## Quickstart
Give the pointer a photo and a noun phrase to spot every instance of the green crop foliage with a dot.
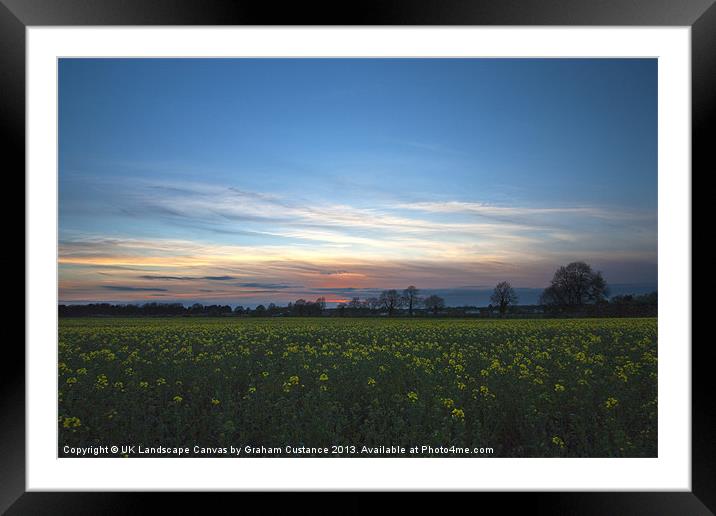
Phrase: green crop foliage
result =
(527, 388)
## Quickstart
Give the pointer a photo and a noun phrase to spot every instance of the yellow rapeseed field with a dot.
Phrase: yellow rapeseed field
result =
(526, 388)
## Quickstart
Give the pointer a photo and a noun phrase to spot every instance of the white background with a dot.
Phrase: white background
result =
(670, 471)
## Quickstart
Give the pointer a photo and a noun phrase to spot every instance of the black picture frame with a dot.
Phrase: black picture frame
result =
(16, 15)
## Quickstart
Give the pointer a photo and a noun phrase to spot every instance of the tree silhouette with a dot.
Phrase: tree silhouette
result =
(434, 303)
(373, 303)
(575, 285)
(410, 295)
(391, 300)
(503, 296)
(355, 303)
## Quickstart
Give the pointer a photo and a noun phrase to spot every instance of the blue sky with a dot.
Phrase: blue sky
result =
(292, 178)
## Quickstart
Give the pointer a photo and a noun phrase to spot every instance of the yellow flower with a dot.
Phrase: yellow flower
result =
(611, 402)
(214, 401)
(102, 381)
(323, 377)
(458, 414)
(413, 396)
(71, 422)
(371, 381)
(558, 387)
(557, 441)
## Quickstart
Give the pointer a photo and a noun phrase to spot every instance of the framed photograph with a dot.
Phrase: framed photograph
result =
(433, 248)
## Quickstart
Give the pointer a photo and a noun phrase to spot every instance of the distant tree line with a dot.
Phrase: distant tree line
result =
(574, 291)
(146, 309)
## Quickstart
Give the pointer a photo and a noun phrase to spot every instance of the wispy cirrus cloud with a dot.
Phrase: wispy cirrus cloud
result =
(125, 288)
(416, 228)
(267, 286)
(186, 278)
(282, 246)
